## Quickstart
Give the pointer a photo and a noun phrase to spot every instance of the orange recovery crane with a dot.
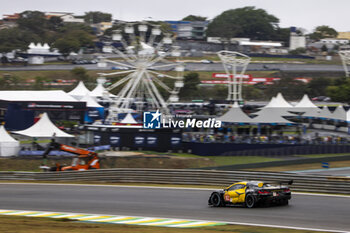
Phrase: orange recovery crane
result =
(84, 161)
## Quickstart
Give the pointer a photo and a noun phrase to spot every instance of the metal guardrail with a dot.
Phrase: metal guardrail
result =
(306, 183)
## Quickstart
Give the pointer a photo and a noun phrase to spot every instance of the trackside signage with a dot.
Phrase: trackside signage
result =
(154, 120)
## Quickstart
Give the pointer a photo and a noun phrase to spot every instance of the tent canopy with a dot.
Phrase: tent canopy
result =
(99, 91)
(235, 115)
(8, 145)
(90, 102)
(44, 128)
(79, 91)
(128, 119)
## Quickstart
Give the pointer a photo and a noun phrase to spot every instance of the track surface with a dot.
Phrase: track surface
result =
(322, 212)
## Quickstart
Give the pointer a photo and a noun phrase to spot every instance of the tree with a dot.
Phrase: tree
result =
(194, 18)
(191, 81)
(80, 73)
(34, 21)
(249, 22)
(298, 51)
(67, 45)
(97, 17)
(318, 86)
(322, 32)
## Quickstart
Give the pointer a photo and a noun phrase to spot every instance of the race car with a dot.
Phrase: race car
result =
(251, 194)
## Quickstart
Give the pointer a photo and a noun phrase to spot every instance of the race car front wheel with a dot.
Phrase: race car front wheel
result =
(250, 201)
(216, 200)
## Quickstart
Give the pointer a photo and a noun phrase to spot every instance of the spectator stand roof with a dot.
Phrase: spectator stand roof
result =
(48, 96)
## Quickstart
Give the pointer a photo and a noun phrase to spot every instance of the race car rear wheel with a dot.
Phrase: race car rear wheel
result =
(216, 200)
(250, 201)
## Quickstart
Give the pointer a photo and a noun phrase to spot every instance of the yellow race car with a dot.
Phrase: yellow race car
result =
(251, 194)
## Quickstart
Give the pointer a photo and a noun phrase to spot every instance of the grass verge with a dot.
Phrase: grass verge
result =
(12, 224)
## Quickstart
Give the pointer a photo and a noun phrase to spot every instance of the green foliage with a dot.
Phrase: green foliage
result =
(340, 90)
(249, 22)
(318, 86)
(194, 18)
(322, 32)
(80, 73)
(190, 89)
(252, 93)
(97, 17)
(33, 26)
(298, 51)
(292, 89)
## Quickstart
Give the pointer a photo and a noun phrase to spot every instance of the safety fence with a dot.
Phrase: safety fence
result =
(307, 183)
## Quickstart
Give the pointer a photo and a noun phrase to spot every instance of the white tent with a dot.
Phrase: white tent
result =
(235, 115)
(306, 107)
(79, 91)
(325, 113)
(43, 128)
(90, 102)
(277, 107)
(100, 91)
(128, 119)
(271, 116)
(8, 145)
(340, 114)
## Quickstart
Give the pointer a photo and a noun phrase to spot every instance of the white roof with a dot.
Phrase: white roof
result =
(325, 113)
(90, 102)
(79, 91)
(99, 90)
(305, 102)
(261, 43)
(235, 115)
(128, 119)
(340, 114)
(308, 108)
(279, 105)
(280, 102)
(54, 96)
(5, 136)
(270, 116)
(43, 128)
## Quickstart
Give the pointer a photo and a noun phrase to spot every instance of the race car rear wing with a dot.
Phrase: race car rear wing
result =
(287, 182)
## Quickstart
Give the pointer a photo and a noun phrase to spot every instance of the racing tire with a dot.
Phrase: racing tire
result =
(285, 202)
(216, 200)
(250, 201)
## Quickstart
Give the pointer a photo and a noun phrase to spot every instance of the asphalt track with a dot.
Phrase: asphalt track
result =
(307, 211)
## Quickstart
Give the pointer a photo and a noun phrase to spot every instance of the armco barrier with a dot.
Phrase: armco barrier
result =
(308, 183)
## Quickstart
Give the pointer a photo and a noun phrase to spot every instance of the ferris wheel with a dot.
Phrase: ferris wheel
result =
(142, 55)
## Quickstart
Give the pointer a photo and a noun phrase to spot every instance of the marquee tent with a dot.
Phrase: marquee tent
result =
(128, 119)
(8, 145)
(44, 128)
(307, 108)
(235, 115)
(79, 91)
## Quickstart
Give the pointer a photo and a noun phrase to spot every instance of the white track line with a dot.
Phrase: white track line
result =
(163, 187)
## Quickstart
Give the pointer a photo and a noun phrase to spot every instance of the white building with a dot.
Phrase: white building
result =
(65, 16)
(334, 41)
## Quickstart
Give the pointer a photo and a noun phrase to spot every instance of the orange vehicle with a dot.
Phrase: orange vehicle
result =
(84, 161)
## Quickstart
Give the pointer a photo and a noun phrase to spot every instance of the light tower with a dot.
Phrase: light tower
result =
(235, 65)
(345, 57)
(142, 56)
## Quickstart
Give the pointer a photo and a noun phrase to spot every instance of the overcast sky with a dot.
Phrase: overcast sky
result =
(301, 13)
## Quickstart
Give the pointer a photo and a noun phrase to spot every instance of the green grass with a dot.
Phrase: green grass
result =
(48, 225)
(233, 160)
(322, 155)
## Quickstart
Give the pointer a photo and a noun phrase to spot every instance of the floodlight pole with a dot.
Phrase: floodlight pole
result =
(232, 61)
